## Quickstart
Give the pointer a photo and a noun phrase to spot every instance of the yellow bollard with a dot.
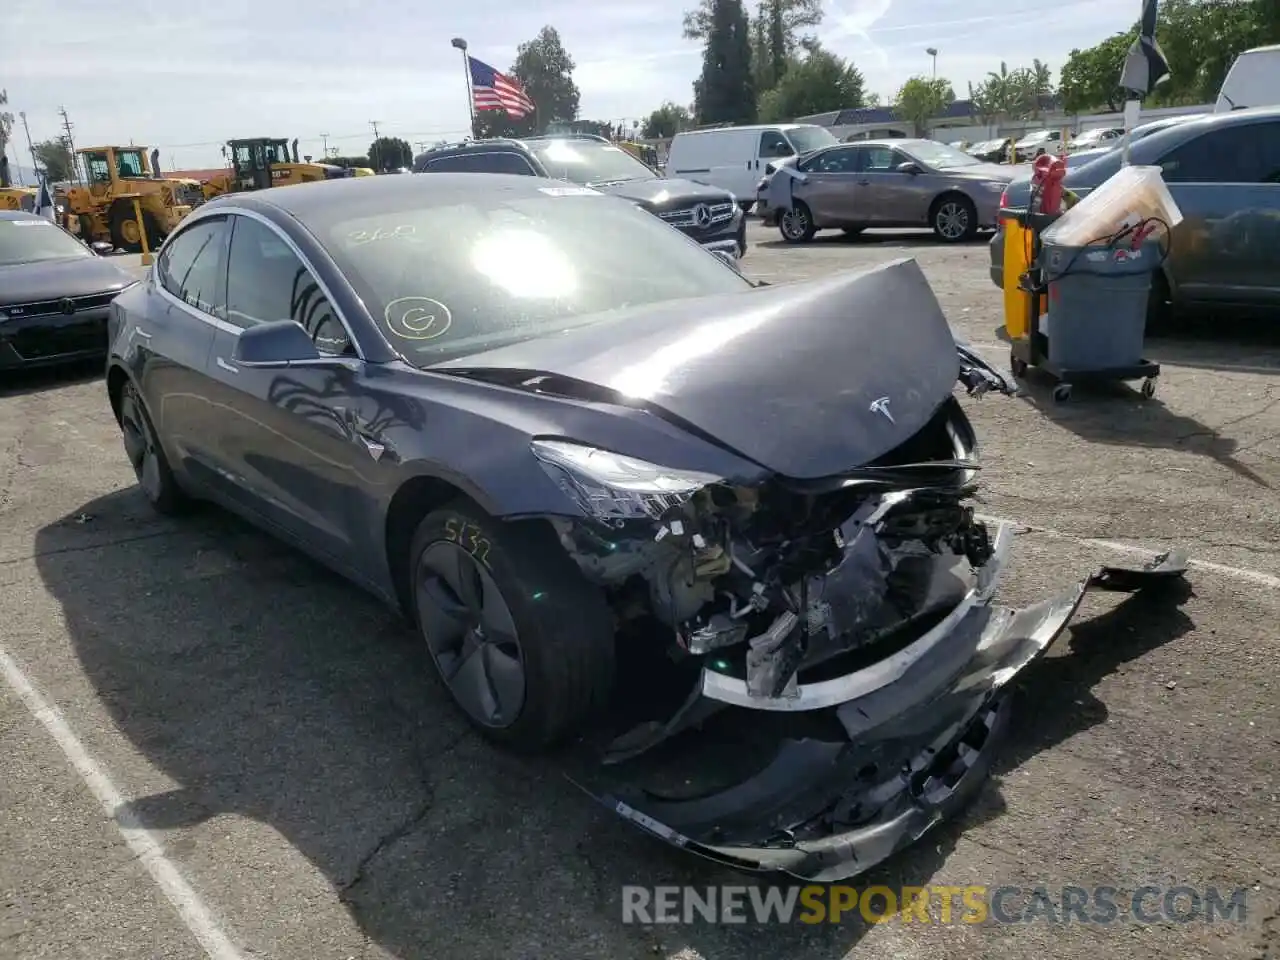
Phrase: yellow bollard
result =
(147, 259)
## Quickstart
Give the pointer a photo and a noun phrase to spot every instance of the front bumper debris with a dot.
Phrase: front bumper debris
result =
(833, 776)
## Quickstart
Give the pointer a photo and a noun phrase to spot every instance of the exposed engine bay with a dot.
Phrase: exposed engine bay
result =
(789, 576)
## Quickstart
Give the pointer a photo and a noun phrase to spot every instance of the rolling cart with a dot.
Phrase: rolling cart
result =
(1035, 347)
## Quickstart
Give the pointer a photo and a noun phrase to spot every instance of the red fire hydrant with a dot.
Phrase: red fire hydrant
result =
(1047, 177)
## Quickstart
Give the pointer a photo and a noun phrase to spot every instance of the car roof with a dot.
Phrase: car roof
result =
(352, 195)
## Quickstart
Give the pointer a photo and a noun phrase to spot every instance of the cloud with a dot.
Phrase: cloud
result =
(187, 78)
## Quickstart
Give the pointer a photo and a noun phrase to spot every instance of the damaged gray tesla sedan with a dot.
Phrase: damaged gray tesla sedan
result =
(717, 536)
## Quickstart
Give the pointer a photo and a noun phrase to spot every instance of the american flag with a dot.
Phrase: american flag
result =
(491, 90)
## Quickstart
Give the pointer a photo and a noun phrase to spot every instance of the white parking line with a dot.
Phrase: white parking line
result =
(195, 915)
(1240, 573)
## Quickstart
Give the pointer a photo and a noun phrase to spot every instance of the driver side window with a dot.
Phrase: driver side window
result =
(882, 159)
(267, 282)
(774, 144)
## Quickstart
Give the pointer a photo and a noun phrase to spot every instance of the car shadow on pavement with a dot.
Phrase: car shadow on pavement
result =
(269, 689)
(1114, 413)
(16, 383)
(887, 238)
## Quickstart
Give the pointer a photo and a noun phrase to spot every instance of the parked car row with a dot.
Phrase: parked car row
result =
(1223, 170)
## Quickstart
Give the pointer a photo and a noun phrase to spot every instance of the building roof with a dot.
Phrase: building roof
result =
(956, 110)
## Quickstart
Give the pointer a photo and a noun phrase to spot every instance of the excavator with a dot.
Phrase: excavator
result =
(101, 209)
(261, 162)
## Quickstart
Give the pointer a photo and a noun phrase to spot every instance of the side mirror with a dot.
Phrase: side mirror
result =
(909, 167)
(728, 259)
(275, 344)
(783, 150)
(101, 248)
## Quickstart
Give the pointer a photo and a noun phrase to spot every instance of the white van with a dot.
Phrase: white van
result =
(734, 158)
(1252, 81)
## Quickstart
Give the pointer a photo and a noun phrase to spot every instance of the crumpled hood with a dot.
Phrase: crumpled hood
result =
(808, 379)
(660, 193)
(54, 279)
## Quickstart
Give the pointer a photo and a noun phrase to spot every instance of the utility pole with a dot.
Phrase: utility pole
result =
(35, 161)
(71, 146)
(325, 138)
(376, 161)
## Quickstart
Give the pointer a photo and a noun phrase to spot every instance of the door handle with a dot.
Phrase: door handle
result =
(139, 332)
(229, 367)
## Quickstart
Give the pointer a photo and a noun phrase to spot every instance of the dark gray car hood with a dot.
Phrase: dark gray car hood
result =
(788, 376)
(660, 193)
(54, 279)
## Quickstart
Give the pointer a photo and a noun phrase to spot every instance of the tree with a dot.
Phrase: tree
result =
(545, 69)
(777, 34)
(817, 84)
(668, 120)
(55, 159)
(725, 91)
(1091, 78)
(388, 153)
(922, 98)
(6, 122)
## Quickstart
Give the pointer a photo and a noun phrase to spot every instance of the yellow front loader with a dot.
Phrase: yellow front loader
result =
(113, 177)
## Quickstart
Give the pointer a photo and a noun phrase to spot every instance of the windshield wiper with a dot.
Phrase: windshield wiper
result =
(611, 183)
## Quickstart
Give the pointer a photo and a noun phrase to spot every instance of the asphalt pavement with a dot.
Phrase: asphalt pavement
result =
(286, 780)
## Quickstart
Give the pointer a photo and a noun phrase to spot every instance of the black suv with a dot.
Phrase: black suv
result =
(707, 214)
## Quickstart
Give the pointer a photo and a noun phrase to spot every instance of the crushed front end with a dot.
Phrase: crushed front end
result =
(829, 677)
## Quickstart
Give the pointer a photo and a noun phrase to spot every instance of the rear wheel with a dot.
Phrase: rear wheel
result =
(522, 641)
(796, 224)
(146, 455)
(125, 233)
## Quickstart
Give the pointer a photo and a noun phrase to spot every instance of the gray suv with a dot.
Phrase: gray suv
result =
(1223, 171)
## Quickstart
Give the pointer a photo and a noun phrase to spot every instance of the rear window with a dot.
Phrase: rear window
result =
(491, 268)
(498, 161)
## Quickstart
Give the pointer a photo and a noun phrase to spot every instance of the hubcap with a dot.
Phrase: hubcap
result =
(794, 223)
(470, 633)
(129, 230)
(140, 444)
(953, 220)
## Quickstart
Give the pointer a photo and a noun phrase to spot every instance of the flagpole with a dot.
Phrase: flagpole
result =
(461, 44)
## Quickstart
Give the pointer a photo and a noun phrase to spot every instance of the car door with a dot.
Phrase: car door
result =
(1226, 182)
(892, 199)
(173, 335)
(829, 186)
(298, 444)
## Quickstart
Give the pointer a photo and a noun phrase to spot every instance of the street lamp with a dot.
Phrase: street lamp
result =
(458, 44)
(933, 52)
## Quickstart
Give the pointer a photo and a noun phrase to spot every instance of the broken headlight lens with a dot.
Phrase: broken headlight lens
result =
(612, 486)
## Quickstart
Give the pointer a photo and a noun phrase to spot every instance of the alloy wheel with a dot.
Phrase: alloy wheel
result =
(140, 444)
(795, 223)
(952, 219)
(471, 634)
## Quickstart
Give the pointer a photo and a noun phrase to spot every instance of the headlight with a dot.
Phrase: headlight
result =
(995, 186)
(611, 486)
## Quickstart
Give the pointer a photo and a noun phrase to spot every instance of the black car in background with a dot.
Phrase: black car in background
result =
(54, 294)
(1223, 171)
(707, 214)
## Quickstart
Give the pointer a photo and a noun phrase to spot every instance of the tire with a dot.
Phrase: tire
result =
(954, 218)
(146, 455)
(561, 628)
(796, 224)
(121, 214)
(852, 231)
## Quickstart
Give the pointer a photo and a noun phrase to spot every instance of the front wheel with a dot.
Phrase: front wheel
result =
(796, 224)
(522, 641)
(954, 219)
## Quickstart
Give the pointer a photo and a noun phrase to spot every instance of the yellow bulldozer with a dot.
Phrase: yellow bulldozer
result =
(11, 197)
(101, 208)
(261, 162)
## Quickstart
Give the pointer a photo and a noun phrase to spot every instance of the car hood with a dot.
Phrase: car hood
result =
(54, 279)
(809, 380)
(660, 193)
(984, 171)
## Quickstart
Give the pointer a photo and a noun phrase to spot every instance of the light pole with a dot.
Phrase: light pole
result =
(460, 44)
(325, 138)
(933, 52)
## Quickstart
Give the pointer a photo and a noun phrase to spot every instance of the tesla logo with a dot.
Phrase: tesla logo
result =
(881, 406)
(67, 306)
(702, 215)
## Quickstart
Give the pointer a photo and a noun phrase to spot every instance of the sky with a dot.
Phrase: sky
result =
(205, 73)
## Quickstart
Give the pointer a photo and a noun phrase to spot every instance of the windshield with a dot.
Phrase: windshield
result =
(492, 269)
(805, 139)
(35, 239)
(940, 156)
(589, 162)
